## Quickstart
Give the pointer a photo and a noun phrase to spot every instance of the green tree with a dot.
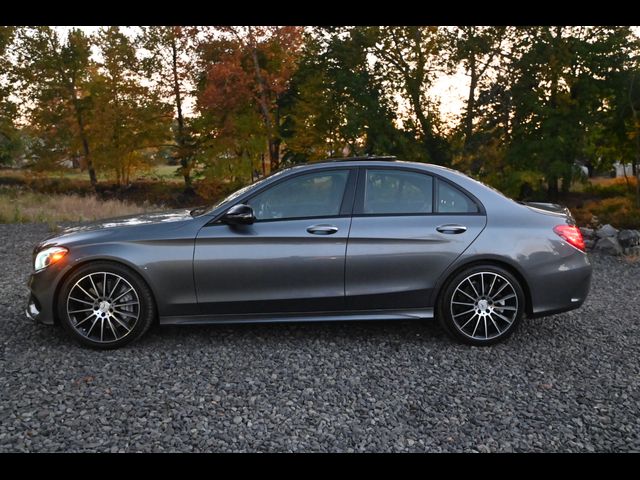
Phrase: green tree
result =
(335, 105)
(10, 144)
(170, 64)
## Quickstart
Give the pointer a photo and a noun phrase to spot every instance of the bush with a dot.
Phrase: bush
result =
(621, 212)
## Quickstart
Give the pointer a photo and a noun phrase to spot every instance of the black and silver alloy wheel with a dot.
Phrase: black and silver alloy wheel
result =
(482, 305)
(105, 305)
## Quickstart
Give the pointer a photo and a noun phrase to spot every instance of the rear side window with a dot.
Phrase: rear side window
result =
(389, 192)
(451, 200)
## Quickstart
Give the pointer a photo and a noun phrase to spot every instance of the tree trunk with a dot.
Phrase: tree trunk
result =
(185, 160)
(85, 145)
(274, 141)
(471, 104)
(552, 190)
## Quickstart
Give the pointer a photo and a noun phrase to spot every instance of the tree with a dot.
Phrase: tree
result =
(475, 48)
(52, 77)
(170, 64)
(250, 66)
(10, 143)
(408, 60)
(335, 105)
(129, 121)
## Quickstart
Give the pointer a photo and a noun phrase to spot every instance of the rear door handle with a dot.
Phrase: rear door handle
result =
(322, 229)
(451, 229)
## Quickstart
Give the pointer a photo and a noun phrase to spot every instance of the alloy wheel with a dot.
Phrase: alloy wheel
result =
(484, 306)
(103, 307)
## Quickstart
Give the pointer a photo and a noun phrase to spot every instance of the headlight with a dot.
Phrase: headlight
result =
(50, 255)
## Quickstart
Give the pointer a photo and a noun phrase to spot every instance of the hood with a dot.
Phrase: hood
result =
(89, 229)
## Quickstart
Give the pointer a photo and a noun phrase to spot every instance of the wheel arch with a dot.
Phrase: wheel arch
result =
(472, 262)
(87, 261)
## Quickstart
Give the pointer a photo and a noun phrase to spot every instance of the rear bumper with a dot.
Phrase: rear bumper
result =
(561, 287)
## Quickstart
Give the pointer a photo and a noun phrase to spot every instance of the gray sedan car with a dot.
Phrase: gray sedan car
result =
(357, 239)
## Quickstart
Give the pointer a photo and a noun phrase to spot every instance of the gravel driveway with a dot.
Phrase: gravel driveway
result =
(570, 382)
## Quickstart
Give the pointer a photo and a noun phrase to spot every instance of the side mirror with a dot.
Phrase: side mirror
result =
(239, 215)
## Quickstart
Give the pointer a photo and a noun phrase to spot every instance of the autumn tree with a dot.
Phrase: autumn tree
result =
(250, 66)
(52, 75)
(129, 121)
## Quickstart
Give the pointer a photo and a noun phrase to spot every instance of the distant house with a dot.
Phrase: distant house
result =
(622, 170)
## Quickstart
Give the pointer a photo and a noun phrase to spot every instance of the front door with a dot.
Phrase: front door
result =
(290, 260)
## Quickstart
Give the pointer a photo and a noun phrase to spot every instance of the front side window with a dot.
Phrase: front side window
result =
(452, 200)
(317, 194)
(390, 192)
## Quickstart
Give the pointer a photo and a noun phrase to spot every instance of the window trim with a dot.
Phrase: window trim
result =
(346, 204)
(358, 210)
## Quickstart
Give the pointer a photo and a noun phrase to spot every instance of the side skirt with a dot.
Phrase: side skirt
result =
(412, 314)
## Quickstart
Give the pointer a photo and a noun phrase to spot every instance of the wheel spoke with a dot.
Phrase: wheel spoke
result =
(92, 325)
(114, 288)
(486, 330)
(84, 320)
(506, 307)
(473, 286)
(95, 289)
(512, 295)
(126, 314)
(476, 327)
(462, 291)
(494, 323)
(467, 322)
(501, 288)
(492, 284)
(482, 282)
(121, 323)
(462, 313)
(121, 295)
(86, 293)
(104, 285)
(115, 335)
(502, 317)
(84, 310)
(457, 303)
(81, 301)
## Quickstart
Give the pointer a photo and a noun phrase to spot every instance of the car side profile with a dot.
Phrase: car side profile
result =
(354, 239)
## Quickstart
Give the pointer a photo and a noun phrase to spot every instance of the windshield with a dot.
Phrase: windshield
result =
(208, 208)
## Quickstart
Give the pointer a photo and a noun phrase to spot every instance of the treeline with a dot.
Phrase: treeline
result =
(236, 102)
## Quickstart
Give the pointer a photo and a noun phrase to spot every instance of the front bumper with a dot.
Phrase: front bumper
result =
(42, 287)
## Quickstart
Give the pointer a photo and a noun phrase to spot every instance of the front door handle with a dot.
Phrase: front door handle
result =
(322, 229)
(452, 229)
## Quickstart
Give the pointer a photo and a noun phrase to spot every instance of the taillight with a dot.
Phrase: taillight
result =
(571, 234)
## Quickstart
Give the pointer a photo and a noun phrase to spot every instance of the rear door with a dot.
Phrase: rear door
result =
(407, 228)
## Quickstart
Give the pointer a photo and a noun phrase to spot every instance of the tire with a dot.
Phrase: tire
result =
(481, 305)
(105, 314)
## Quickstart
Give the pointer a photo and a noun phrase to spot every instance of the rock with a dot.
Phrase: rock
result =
(629, 238)
(589, 243)
(587, 233)
(608, 246)
(607, 231)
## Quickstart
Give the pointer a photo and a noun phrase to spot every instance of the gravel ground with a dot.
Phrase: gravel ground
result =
(565, 383)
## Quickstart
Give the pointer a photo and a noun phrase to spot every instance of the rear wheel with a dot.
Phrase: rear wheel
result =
(105, 305)
(481, 305)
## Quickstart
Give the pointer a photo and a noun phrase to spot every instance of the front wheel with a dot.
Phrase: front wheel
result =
(481, 305)
(105, 305)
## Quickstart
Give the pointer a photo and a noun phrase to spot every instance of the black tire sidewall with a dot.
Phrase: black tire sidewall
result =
(147, 303)
(444, 314)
